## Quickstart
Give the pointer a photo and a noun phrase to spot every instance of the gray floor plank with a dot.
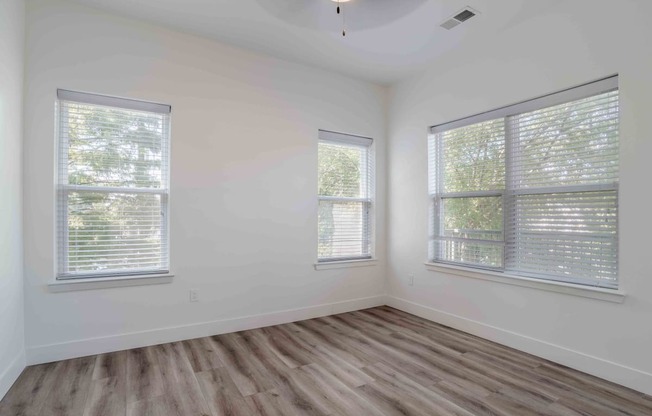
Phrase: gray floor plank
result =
(108, 396)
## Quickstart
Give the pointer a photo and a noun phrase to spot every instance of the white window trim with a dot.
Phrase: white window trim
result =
(345, 264)
(72, 282)
(592, 292)
(500, 274)
(71, 285)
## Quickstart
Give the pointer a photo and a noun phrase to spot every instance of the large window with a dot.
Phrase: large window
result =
(345, 197)
(112, 186)
(531, 189)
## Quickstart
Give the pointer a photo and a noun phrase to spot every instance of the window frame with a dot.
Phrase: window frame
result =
(509, 193)
(368, 175)
(63, 189)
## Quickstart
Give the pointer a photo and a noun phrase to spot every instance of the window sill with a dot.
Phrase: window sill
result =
(108, 282)
(609, 295)
(345, 264)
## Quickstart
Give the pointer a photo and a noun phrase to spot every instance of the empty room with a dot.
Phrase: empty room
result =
(325, 207)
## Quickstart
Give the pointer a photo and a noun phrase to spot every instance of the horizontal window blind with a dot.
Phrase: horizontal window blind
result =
(563, 191)
(468, 183)
(112, 191)
(534, 192)
(345, 197)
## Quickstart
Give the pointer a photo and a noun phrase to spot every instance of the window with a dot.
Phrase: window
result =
(531, 189)
(112, 186)
(345, 197)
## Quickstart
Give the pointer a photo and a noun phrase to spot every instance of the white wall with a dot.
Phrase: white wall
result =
(243, 184)
(12, 37)
(573, 43)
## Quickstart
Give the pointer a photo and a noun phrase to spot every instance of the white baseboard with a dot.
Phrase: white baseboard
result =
(617, 373)
(91, 346)
(10, 374)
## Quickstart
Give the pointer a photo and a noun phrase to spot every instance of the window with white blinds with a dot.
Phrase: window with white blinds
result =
(531, 189)
(346, 191)
(112, 186)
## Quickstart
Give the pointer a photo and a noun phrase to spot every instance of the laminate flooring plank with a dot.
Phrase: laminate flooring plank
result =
(532, 401)
(108, 396)
(401, 324)
(263, 359)
(270, 403)
(144, 378)
(441, 367)
(27, 396)
(339, 396)
(202, 355)
(311, 341)
(547, 388)
(333, 324)
(338, 363)
(340, 368)
(514, 407)
(244, 372)
(367, 347)
(437, 331)
(421, 374)
(459, 366)
(367, 322)
(421, 345)
(593, 388)
(172, 363)
(389, 401)
(594, 405)
(356, 323)
(322, 335)
(284, 347)
(513, 356)
(302, 395)
(560, 409)
(113, 364)
(416, 393)
(468, 396)
(69, 393)
(454, 346)
(445, 336)
(180, 386)
(507, 379)
(222, 395)
(157, 406)
(376, 351)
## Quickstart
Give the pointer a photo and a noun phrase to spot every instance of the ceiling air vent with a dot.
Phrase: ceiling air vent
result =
(460, 17)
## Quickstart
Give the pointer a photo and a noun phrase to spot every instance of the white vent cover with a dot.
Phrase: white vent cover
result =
(459, 17)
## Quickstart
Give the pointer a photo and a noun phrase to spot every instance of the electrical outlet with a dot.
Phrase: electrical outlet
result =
(194, 295)
(410, 279)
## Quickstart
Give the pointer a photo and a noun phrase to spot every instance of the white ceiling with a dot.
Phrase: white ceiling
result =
(386, 40)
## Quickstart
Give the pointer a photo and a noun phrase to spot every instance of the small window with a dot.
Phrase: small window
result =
(112, 186)
(531, 189)
(345, 197)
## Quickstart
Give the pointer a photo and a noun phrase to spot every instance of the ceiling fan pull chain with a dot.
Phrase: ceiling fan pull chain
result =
(343, 21)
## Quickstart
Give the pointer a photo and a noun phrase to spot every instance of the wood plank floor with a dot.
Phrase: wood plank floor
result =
(379, 361)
